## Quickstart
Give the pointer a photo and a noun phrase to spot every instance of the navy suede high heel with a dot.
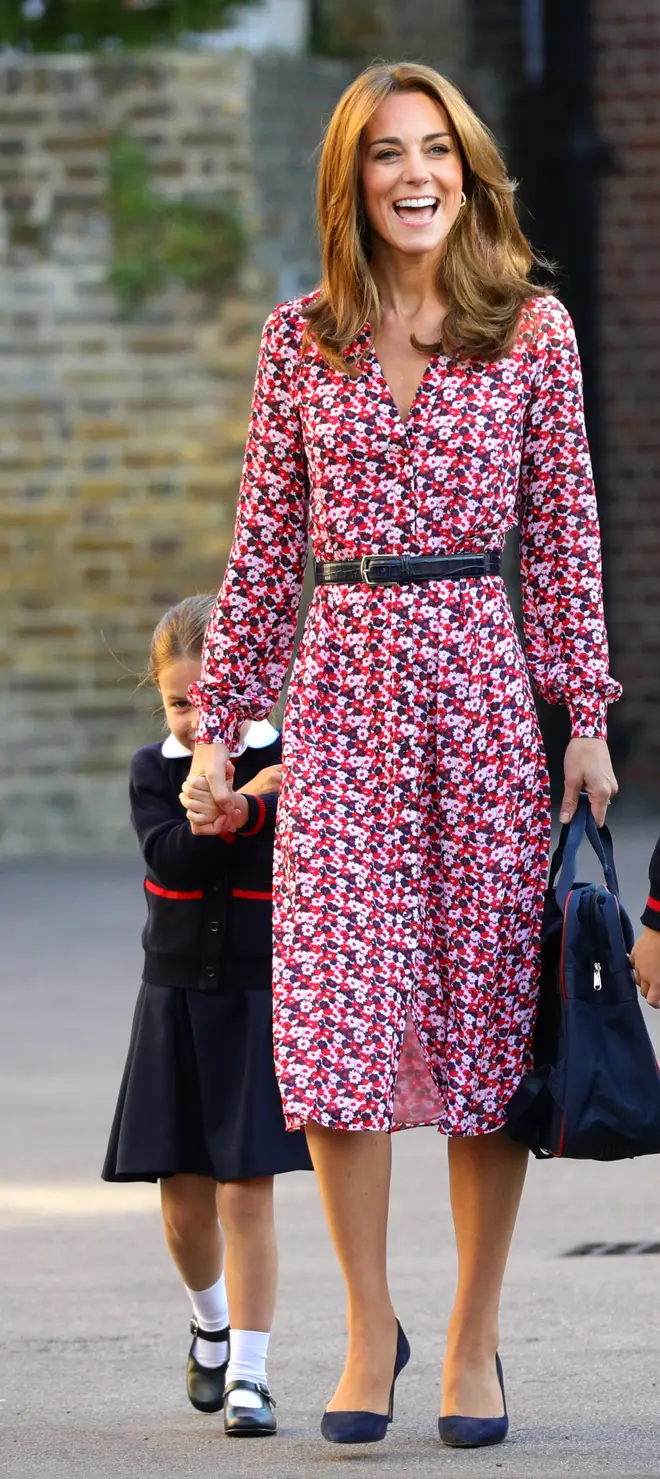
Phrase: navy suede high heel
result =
(366, 1427)
(476, 1432)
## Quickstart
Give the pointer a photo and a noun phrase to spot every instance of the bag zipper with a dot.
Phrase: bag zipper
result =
(596, 965)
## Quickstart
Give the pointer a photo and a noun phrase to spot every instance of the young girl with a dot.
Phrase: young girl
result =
(199, 1108)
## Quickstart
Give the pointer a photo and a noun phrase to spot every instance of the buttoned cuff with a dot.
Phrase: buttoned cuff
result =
(215, 725)
(588, 716)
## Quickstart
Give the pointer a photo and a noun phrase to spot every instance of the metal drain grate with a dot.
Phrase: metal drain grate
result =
(610, 1250)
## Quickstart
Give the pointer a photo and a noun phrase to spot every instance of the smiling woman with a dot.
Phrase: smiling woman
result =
(407, 164)
(406, 415)
(413, 159)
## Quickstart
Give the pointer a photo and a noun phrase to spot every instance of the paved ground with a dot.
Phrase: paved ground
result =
(93, 1334)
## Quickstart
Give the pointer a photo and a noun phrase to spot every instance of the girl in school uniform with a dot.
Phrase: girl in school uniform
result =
(199, 1109)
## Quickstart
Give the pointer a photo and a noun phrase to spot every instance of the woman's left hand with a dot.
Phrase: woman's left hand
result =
(587, 767)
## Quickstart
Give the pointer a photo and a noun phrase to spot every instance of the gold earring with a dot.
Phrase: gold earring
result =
(463, 200)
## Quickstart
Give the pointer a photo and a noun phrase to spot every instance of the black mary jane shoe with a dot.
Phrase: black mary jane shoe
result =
(249, 1422)
(206, 1384)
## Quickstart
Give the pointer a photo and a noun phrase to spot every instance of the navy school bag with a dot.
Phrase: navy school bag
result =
(594, 1091)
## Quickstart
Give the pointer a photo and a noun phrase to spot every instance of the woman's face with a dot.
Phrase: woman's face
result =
(412, 176)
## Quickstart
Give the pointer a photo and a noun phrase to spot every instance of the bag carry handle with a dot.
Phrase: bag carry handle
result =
(572, 834)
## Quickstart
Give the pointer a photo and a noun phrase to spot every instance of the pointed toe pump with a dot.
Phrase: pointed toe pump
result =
(476, 1432)
(367, 1427)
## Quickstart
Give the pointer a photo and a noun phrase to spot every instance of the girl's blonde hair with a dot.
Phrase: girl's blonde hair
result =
(180, 633)
(483, 274)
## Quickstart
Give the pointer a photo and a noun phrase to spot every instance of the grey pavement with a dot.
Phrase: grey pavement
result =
(93, 1336)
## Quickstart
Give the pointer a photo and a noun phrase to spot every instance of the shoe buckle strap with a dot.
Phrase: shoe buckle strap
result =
(215, 1336)
(250, 1386)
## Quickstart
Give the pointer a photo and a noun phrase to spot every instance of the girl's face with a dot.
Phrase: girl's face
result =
(174, 682)
(412, 176)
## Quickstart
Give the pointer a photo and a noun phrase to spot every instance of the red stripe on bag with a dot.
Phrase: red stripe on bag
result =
(250, 893)
(171, 893)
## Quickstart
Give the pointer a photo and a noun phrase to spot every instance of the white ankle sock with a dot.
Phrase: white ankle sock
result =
(247, 1362)
(210, 1308)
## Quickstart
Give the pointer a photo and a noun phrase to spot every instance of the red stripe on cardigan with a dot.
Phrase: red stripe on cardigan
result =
(653, 904)
(172, 893)
(250, 893)
(251, 832)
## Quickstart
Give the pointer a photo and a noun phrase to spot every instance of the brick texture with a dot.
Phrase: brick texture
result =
(121, 442)
(627, 38)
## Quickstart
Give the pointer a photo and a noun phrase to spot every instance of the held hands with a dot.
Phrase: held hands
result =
(202, 810)
(645, 960)
(211, 764)
(587, 767)
(212, 806)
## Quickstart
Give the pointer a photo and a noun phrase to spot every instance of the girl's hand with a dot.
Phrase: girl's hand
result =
(213, 762)
(587, 767)
(645, 959)
(202, 810)
(199, 801)
(266, 783)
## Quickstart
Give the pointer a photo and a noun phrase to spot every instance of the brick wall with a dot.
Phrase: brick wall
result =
(543, 148)
(627, 39)
(121, 442)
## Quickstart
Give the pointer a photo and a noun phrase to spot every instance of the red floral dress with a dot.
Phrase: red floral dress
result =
(414, 815)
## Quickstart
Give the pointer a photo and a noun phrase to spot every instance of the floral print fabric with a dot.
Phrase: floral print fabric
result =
(414, 815)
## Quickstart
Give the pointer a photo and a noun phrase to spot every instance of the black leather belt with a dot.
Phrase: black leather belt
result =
(374, 570)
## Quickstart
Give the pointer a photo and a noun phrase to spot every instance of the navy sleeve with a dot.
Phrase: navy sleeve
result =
(175, 857)
(262, 814)
(651, 915)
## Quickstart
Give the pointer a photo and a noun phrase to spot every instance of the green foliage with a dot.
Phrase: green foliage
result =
(87, 24)
(156, 241)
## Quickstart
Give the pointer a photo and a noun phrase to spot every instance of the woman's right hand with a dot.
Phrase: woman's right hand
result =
(213, 762)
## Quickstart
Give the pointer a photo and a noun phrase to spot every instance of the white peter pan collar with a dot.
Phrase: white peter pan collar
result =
(258, 737)
(172, 749)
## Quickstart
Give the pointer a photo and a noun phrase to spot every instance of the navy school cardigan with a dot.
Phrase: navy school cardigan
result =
(651, 915)
(209, 899)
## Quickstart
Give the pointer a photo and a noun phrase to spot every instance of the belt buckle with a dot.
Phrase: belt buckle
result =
(365, 564)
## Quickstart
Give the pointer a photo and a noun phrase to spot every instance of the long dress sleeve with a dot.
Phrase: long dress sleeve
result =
(560, 560)
(251, 634)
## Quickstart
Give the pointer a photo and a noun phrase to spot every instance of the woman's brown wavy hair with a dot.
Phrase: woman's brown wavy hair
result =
(483, 274)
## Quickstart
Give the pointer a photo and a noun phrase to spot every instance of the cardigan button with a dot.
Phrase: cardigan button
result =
(214, 926)
(210, 971)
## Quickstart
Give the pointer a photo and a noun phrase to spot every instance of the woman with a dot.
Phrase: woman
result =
(425, 400)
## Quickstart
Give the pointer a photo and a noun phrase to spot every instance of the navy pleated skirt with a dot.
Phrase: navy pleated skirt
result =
(199, 1093)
